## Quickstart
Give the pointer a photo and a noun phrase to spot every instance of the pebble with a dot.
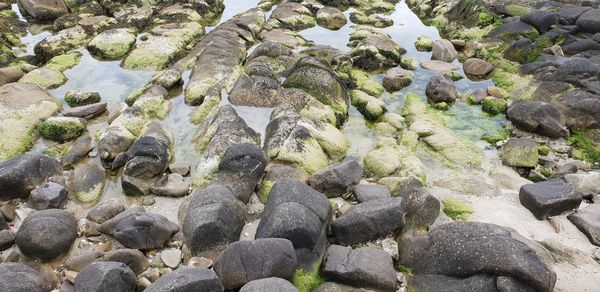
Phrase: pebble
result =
(171, 257)
(200, 262)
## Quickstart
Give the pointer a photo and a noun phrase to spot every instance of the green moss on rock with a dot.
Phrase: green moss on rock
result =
(494, 105)
(61, 129)
(457, 209)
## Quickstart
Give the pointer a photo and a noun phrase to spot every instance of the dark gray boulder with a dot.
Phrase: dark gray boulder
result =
(272, 284)
(549, 198)
(105, 276)
(86, 182)
(47, 234)
(87, 112)
(581, 109)
(105, 210)
(542, 20)
(588, 221)
(365, 267)
(21, 174)
(244, 261)
(149, 154)
(441, 283)
(441, 89)
(580, 45)
(590, 21)
(336, 179)
(368, 221)
(420, 208)
(521, 51)
(7, 239)
(296, 212)
(570, 14)
(370, 192)
(537, 117)
(19, 277)
(578, 71)
(109, 225)
(79, 150)
(466, 249)
(513, 30)
(143, 230)
(213, 218)
(48, 196)
(133, 258)
(186, 279)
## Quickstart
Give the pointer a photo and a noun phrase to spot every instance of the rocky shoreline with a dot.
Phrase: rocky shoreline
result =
(214, 145)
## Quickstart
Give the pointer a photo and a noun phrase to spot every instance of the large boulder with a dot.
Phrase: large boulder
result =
(105, 276)
(214, 217)
(590, 21)
(369, 220)
(48, 196)
(537, 117)
(520, 152)
(47, 234)
(474, 283)
(244, 261)
(143, 230)
(336, 179)
(296, 212)
(465, 249)
(44, 9)
(187, 279)
(112, 44)
(395, 79)
(421, 209)
(269, 284)
(580, 109)
(588, 221)
(373, 49)
(86, 183)
(149, 155)
(331, 18)
(365, 267)
(477, 67)
(20, 175)
(549, 198)
(578, 71)
(440, 88)
(443, 50)
(542, 20)
(21, 278)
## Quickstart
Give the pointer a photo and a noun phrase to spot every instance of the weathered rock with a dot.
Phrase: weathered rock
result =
(105, 210)
(514, 30)
(171, 257)
(10, 74)
(76, 98)
(143, 230)
(112, 146)
(171, 185)
(20, 175)
(570, 14)
(331, 18)
(443, 50)
(369, 106)
(520, 152)
(86, 183)
(370, 192)
(277, 173)
(293, 16)
(477, 67)
(244, 261)
(373, 49)
(44, 9)
(187, 279)
(499, 252)
(214, 217)
(7, 239)
(133, 258)
(336, 179)
(62, 42)
(87, 112)
(420, 208)
(105, 276)
(79, 150)
(395, 79)
(441, 89)
(578, 71)
(579, 108)
(542, 20)
(20, 277)
(296, 212)
(47, 234)
(424, 44)
(590, 21)
(537, 117)
(112, 44)
(445, 283)
(365, 267)
(587, 220)
(62, 129)
(374, 20)
(109, 225)
(549, 198)
(269, 284)
(439, 66)
(369, 220)
(579, 46)
(149, 155)
(493, 105)
(48, 196)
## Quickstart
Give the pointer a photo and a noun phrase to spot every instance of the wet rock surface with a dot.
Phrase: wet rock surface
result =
(549, 198)
(47, 234)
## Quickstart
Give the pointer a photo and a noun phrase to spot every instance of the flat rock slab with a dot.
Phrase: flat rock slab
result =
(441, 66)
(588, 221)
(549, 198)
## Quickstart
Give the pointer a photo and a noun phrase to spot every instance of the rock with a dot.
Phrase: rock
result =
(493, 105)
(105, 210)
(143, 230)
(133, 258)
(277, 173)
(187, 279)
(79, 150)
(374, 20)
(44, 9)
(537, 117)
(440, 66)
(370, 192)
(570, 14)
(171, 257)
(514, 30)
(590, 21)
(441, 89)
(169, 78)
(584, 182)
(549, 198)
(182, 169)
(368, 221)
(424, 44)
(382, 162)
(262, 258)
(331, 18)
(336, 179)
(113, 144)
(108, 226)
(542, 20)
(171, 185)
(214, 217)
(520, 152)
(579, 109)
(395, 79)
(296, 212)
(112, 44)
(443, 50)
(200, 262)
(10, 74)
(47, 234)
(45, 78)
(587, 220)
(61, 43)
(445, 283)
(86, 183)
(577, 71)
(421, 209)
(105, 276)
(579, 46)
(48, 196)
(87, 112)
(149, 155)
(365, 267)
(76, 98)
(499, 253)
(521, 51)
(20, 277)
(20, 175)
(369, 106)
(62, 129)
(269, 284)
(477, 67)
(7, 239)
(373, 49)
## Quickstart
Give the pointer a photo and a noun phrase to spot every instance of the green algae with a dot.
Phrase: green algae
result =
(457, 209)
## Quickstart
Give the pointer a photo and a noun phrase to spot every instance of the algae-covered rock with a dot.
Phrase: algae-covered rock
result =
(494, 105)
(22, 107)
(45, 78)
(112, 44)
(331, 18)
(63, 62)
(373, 49)
(156, 107)
(61, 42)
(365, 83)
(520, 152)
(62, 129)
(395, 79)
(424, 44)
(79, 98)
(293, 16)
(382, 162)
(371, 107)
(374, 20)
